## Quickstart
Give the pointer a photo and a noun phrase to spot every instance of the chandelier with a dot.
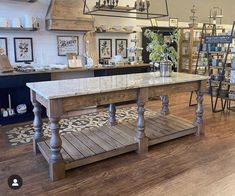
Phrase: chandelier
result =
(139, 9)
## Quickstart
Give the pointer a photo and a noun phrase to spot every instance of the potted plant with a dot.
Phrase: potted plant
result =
(161, 51)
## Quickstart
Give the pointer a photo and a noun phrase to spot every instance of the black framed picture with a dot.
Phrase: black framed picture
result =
(3, 45)
(67, 44)
(105, 48)
(173, 22)
(23, 47)
(121, 47)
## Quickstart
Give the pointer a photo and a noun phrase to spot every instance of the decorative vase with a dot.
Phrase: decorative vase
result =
(165, 68)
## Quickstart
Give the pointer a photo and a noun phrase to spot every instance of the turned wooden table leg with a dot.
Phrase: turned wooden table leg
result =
(165, 105)
(37, 123)
(140, 130)
(199, 113)
(56, 162)
(112, 114)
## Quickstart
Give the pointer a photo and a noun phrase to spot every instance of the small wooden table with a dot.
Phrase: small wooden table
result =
(73, 150)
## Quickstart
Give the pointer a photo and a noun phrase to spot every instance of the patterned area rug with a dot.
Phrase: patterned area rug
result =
(24, 134)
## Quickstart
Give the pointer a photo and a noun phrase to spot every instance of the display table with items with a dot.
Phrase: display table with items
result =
(64, 152)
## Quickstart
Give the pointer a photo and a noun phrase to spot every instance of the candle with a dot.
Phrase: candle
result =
(148, 4)
(9, 100)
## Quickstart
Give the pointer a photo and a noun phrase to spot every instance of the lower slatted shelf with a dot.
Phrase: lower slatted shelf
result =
(92, 145)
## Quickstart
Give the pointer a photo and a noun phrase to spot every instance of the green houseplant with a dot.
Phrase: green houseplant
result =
(161, 50)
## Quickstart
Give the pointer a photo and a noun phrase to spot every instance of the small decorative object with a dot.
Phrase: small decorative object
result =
(232, 95)
(4, 22)
(10, 111)
(23, 49)
(193, 17)
(121, 47)
(67, 44)
(16, 23)
(21, 109)
(5, 65)
(29, 21)
(232, 76)
(5, 113)
(153, 22)
(216, 13)
(3, 46)
(165, 68)
(74, 61)
(105, 48)
(90, 62)
(137, 51)
(161, 51)
(173, 22)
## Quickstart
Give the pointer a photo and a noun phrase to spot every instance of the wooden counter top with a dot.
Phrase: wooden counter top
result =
(72, 70)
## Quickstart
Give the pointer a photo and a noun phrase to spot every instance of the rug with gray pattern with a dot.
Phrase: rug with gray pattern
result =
(24, 134)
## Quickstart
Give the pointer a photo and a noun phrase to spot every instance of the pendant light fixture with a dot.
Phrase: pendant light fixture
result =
(138, 9)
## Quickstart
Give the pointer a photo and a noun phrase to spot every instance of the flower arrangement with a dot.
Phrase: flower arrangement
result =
(160, 49)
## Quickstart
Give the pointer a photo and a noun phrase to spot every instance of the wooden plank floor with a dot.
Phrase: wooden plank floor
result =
(196, 166)
(92, 145)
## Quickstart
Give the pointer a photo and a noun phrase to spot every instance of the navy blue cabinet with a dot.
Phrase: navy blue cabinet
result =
(15, 85)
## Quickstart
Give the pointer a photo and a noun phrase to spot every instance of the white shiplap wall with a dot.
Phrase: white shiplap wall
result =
(44, 42)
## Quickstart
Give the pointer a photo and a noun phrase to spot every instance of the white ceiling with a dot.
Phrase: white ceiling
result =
(181, 9)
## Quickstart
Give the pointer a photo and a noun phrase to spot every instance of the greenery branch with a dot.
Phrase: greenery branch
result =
(159, 49)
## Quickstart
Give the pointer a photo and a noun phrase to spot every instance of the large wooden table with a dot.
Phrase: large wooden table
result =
(77, 149)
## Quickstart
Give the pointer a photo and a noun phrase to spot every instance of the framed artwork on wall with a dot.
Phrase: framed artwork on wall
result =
(67, 44)
(23, 49)
(105, 48)
(121, 47)
(173, 22)
(3, 46)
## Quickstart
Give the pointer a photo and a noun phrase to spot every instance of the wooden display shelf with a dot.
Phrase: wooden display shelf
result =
(115, 31)
(17, 29)
(92, 145)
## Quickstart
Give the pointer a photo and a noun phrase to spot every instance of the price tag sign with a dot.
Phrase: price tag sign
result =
(223, 39)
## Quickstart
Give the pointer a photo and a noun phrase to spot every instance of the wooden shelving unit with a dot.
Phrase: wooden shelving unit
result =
(114, 30)
(17, 29)
(219, 71)
(187, 49)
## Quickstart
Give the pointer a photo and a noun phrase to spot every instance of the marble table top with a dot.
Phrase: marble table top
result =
(85, 86)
